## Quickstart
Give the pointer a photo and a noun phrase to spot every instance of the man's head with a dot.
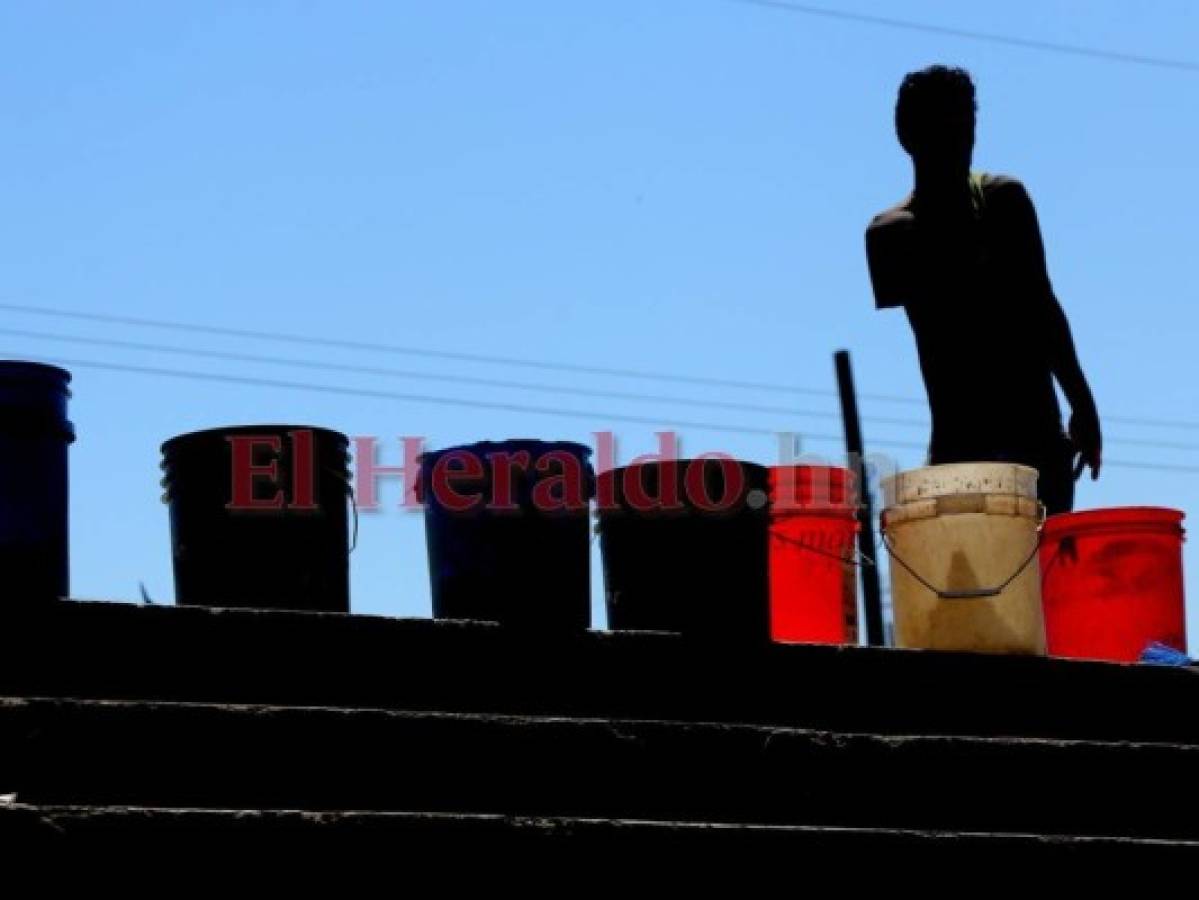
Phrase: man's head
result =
(934, 117)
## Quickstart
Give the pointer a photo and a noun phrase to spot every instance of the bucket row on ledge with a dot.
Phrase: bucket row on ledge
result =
(260, 517)
(720, 548)
(715, 546)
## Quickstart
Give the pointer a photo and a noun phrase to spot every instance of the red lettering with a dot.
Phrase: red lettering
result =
(502, 464)
(569, 482)
(244, 471)
(471, 467)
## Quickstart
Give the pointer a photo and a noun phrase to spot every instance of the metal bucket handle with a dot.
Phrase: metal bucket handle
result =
(344, 476)
(854, 558)
(972, 593)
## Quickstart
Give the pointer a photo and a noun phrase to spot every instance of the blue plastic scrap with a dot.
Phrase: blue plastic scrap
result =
(1163, 655)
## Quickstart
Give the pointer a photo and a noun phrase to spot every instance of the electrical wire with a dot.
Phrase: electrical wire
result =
(1116, 56)
(346, 344)
(376, 347)
(377, 371)
(590, 415)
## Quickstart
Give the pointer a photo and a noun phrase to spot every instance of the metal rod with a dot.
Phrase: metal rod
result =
(871, 594)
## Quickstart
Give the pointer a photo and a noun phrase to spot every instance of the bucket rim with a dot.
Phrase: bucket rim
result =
(27, 370)
(947, 467)
(845, 471)
(174, 443)
(815, 511)
(481, 448)
(745, 464)
(911, 485)
(1113, 518)
(817, 489)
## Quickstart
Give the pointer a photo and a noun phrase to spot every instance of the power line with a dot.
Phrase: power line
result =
(379, 371)
(345, 344)
(1141, 442)
(1118, 56)
(424, 398)
(1151, 467)
(374, 347)
(512, 407)
(1151, 423)
(431, 376)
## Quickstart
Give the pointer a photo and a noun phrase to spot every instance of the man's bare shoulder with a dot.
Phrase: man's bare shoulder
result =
(1005, 189)
(889, 231)
(896, 218)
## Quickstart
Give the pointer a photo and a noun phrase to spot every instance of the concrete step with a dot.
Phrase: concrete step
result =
(102, 650)
(404, 840)
(106, 753)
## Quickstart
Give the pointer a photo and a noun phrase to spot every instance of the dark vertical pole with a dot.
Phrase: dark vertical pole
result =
(871, 598)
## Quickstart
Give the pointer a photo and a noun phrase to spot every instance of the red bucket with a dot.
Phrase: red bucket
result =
(1111, 582)
(813, 583)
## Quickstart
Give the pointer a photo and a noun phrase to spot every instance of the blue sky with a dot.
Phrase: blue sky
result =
(676, 186)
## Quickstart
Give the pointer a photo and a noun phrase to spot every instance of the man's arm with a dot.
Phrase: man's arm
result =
(1063, 356)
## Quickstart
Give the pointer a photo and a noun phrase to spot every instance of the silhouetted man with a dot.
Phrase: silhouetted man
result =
(963, 256)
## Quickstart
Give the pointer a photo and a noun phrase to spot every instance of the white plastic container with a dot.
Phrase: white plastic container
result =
(963, 540)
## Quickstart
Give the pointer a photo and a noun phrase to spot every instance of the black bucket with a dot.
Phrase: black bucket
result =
(34, 436)
(274, 541)
(685, 548)
(519, 554)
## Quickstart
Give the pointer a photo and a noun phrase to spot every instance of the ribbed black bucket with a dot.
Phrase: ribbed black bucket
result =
(685, 548)
(259, 517)
(520, 553)
(34, 436)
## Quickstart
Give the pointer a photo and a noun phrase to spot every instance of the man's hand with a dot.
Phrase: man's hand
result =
(1087, 440)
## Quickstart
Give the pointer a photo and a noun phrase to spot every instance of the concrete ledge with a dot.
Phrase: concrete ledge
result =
(59, 752)
(101, 650)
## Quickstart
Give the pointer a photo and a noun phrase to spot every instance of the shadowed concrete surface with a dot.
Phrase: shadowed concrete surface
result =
(119, 651)
(132, 721)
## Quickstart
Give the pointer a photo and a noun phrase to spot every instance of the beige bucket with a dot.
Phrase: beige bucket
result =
(963, 540)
